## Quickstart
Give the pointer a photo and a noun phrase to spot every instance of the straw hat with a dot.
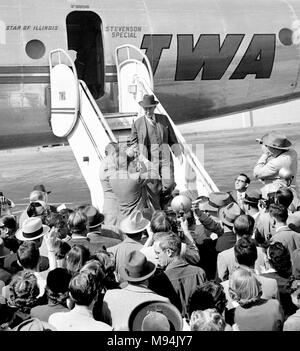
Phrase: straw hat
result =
(32, 229)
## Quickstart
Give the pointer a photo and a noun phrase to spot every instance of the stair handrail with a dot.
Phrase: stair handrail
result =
(194, 162)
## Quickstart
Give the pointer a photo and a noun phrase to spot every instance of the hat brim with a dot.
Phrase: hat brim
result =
(224, 220)
(19, 234)
(150, 270)
(260, 141)
(166, 308)
(125, 226)
(207, 207)
(246, 201)
(148, 105)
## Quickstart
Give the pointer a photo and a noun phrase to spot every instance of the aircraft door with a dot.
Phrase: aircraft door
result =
(132, 63)
(85, 37)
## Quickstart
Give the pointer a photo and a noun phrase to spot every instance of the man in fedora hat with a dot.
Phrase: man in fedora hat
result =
(118, 304)
(97, 235)
(227, 216)
(154, 136)
(32, 230)
(251, 201)
(133, 227)
(277, 153)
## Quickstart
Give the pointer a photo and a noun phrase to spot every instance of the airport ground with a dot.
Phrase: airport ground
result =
(226, 154)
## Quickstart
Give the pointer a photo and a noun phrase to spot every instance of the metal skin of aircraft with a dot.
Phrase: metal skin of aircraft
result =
(209, 57)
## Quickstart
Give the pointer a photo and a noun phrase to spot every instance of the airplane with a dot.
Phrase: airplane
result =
(209, 57)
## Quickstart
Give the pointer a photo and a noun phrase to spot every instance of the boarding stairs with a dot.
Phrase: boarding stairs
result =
(135, 79)
(76, 116)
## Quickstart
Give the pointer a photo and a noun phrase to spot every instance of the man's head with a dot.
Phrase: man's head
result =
(284, 196)
(208, 295)
(149, 104)
(251, 200)
(167, 247)
(83, 288)
(8, 226)
(278, 213)
(242, 182)
(28, 255)
(243, 225)
(275, 142)
(245, 251)
(78, 223)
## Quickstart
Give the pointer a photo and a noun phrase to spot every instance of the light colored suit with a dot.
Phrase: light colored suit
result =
(268, 166)
(288, 238)
(226, 263)
(119, 303)
(80, 318)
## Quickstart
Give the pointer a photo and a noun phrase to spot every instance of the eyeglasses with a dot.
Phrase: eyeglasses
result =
(240, 180)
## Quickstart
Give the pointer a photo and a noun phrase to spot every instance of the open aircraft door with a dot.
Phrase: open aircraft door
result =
(75, 115)
(131, 63)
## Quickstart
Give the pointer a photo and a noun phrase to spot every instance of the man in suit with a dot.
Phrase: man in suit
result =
(241, 184)
(154, 136)
(118, 304)
(245, 252)
(289, 238)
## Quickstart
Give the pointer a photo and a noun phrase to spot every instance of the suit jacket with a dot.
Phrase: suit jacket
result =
(227, 264)
(184, 278)
(288, 238)
(139, 135)
(119, 303)
(267, 167)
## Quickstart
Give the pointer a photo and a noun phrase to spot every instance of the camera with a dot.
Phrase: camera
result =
(267, 202)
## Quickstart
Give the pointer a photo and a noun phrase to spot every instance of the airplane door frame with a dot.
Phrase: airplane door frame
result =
(85, 36)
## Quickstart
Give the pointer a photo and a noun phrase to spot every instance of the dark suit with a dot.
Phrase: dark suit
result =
(154, 140)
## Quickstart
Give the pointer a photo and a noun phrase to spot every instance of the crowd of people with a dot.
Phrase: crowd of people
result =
(156, 259)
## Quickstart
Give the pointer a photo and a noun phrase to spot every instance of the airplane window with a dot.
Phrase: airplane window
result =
(35, 49)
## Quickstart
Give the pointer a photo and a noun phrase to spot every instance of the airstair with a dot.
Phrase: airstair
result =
(76, 116)
(135, 79)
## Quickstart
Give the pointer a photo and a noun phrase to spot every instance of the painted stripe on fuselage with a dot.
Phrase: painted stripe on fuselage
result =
(40, 74)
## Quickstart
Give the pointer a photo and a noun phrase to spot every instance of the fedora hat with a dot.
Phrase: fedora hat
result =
(252, 197)
(148, 101)
(229, 213)
(141, 316)
(134, 223)
(95, 218)
(136, 267)
(215, 201)
(41, 187)
(4, 251)
(275, 140)
(32, 229)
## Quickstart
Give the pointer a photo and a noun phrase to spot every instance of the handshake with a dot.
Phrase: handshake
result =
(132, 151)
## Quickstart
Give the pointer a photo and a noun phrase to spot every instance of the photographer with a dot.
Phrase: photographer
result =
(263, 225)
(162, 222)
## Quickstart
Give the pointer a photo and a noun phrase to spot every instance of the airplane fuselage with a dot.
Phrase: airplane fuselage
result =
(209, 57)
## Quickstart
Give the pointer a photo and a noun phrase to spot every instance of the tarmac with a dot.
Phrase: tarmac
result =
(226, 154)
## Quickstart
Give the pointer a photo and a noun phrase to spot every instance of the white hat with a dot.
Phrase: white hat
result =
(134, 223)
(32, 229)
